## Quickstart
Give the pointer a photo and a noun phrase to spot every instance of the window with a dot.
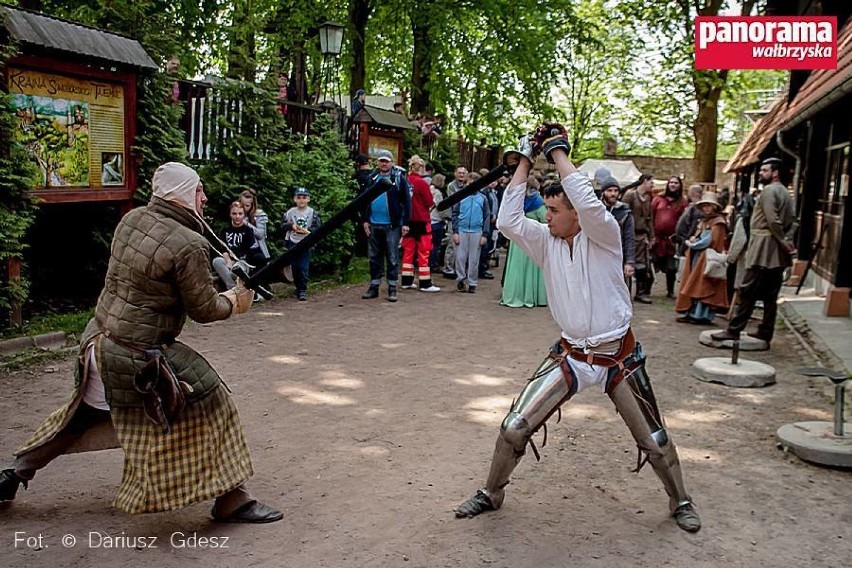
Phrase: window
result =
(837, 179)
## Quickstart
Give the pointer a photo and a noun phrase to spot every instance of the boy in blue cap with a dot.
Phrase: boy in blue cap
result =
(300, 221)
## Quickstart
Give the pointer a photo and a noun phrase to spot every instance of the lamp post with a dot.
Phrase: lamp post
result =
(331, 43)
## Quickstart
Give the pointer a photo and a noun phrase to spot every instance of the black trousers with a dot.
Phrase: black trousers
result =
(759, 284)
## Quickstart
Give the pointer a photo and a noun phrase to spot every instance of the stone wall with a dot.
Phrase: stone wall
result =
(663, 168)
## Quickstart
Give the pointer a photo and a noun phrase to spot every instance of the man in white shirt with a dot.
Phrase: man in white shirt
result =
(579, 252)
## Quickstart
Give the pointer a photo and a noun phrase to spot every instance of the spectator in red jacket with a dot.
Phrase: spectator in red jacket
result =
(418, 242)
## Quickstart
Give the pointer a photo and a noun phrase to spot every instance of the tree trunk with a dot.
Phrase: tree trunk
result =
(708, 89)
(421, 68)
(359, 15)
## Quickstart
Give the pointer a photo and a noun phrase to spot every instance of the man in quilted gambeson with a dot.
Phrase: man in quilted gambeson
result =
(175, 455)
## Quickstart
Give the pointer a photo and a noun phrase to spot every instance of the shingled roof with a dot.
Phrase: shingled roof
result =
(63, 36)
(383, 117)
(822, 88)
(749, 150)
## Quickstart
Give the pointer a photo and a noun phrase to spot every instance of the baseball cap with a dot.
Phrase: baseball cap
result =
(361, 159)
(384, 155)
(301, 191)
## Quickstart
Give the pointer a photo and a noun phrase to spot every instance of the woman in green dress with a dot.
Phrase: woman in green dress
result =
(523, 286)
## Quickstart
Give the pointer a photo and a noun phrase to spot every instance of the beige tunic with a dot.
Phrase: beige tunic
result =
(772, 224)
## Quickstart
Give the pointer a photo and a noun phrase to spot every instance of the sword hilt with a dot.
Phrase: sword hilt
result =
(240, 273)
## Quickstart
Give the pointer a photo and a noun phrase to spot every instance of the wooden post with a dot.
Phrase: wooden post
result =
(13, 268)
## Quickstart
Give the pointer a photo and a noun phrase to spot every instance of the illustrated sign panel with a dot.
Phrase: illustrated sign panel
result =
(72, 128)
(379, 142)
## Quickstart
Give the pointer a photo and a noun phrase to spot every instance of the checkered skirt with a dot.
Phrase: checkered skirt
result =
(204, 455)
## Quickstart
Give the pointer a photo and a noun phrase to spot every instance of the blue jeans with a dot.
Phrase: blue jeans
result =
(383, 249)
(301, 269)
(437, 238)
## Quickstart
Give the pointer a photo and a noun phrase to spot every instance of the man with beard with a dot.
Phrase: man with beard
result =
(770, 251)
(609, 195)
(667, 209)
(639, 202)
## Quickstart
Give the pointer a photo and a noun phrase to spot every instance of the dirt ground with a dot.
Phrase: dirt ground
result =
(370, 421)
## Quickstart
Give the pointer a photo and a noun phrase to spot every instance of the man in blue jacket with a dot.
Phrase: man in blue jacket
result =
(470, 225)
(385, 222)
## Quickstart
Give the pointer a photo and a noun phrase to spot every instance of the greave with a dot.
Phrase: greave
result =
(634, 400)
(545, 392)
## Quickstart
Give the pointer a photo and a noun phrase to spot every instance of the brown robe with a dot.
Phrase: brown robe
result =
(694, 285)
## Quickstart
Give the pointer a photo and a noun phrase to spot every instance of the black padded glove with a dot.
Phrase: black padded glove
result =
(551, 136)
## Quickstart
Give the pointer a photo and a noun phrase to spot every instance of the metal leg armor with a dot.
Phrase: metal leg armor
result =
(634, 400)
(546, 391)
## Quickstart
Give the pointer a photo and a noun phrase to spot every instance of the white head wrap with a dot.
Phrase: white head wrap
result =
(176, 183)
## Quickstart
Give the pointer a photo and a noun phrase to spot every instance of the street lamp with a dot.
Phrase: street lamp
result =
(331, 38)
(331, 43)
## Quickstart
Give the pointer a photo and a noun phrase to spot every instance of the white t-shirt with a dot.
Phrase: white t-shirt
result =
(302, 218)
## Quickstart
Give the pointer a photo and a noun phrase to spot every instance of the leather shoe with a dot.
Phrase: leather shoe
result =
(392, 295)
(687, 518)
(725, 335)
(9, 482)
(471, 289)
(487, 275)
(372, 292)
(251, 512)
(643, 300)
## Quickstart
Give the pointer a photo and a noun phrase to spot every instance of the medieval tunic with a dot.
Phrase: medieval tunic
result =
(586, 292)
(695, 286)
(772, 221)
(158, 274)
(643, 226)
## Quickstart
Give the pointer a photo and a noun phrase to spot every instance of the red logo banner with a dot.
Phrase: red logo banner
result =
(765, 42)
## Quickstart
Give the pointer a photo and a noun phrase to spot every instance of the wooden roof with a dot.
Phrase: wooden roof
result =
(749, 150)
(74, 39)
(822, 87)
(383, 117)
(824, 84)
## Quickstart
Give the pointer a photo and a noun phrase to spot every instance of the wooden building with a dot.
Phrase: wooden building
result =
(372, 129)
(809, 129)
(76, 85)
(73, 89)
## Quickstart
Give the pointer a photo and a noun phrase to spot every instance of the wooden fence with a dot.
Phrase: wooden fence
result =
(204, 105)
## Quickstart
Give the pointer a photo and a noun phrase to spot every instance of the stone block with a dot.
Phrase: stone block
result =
(836, 302)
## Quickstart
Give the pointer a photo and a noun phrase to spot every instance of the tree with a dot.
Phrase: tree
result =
(674, 26)
(359, 15)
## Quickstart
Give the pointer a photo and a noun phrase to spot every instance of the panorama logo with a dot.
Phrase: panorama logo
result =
(763, 42)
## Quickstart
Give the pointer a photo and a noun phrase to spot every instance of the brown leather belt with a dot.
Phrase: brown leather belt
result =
(626, 345)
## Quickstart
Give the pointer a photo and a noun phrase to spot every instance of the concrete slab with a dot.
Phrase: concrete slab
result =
(44, 342)
(745, 373)
(816, 442)
(50, 341)
(747, 342)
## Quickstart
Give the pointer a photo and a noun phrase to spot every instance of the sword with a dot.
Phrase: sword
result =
(268, 272)
(470, 189)
(238, 269)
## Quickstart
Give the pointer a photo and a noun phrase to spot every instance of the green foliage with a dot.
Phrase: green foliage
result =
(443, 154)
(72, 323)
(158, 139)
(261, 153)
(18, 176)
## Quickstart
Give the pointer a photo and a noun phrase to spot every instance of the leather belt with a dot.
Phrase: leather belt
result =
(623, 348)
